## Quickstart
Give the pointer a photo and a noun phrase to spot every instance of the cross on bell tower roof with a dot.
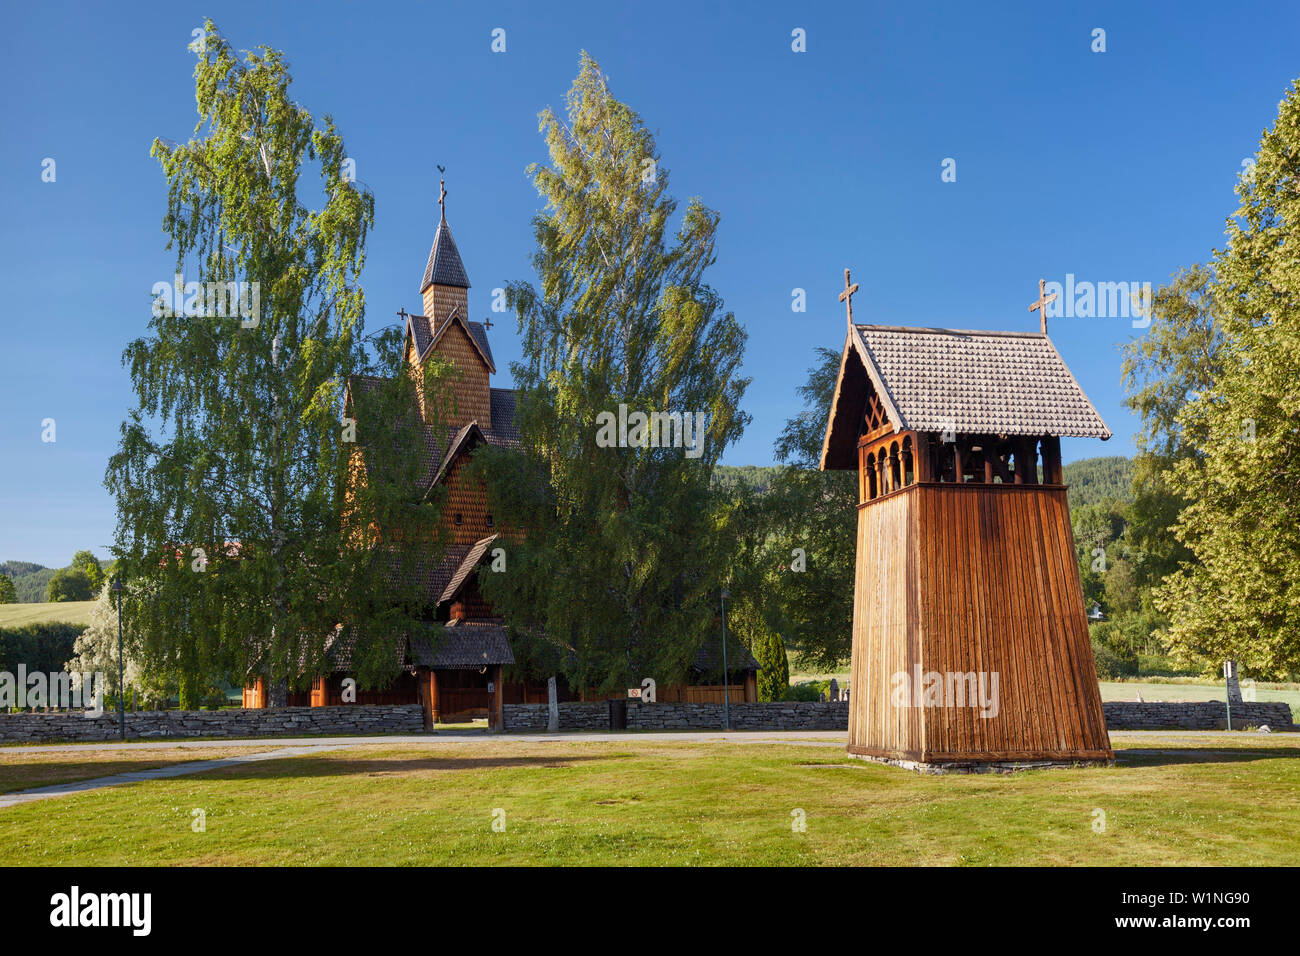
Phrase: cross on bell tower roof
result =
(847, 295)
(1041, 305)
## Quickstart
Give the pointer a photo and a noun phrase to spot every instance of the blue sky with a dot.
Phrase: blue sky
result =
(1114, 166)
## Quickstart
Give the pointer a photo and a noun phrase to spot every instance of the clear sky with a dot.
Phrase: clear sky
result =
(1113, 166)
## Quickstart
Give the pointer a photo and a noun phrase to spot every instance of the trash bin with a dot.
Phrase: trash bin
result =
(618, 713)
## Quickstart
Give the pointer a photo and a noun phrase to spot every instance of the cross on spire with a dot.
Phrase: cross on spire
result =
(1041, 305)
(847, 295)
(442, 193)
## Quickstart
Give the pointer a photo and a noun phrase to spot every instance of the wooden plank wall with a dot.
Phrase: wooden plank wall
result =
(885, 637)
(973, 578)
(1000, 592)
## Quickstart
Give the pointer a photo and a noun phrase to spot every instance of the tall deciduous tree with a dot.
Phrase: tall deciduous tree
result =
(1241, 598)
(86, 562)
(8, 593)
(814, 525)
(1176, 359)
(232, 472)
(619, 559)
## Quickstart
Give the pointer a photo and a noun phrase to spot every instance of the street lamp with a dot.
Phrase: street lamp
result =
(121, 696)
(726, 690)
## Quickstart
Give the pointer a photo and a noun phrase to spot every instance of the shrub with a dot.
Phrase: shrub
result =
(806, 690)
(1112, 664)
(40, 647)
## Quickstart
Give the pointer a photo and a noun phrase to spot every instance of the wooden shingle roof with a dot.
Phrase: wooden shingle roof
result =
(444, 267)
(463, 646)
(965, 382)
(467, 564)
(422, 332)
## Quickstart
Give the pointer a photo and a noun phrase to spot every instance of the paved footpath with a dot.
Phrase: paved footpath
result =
(156, 773)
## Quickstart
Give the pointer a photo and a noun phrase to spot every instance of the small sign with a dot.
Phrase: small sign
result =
(634, 692)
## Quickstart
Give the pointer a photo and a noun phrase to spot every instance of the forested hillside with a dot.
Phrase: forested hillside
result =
(30, 580)
(1093, 480)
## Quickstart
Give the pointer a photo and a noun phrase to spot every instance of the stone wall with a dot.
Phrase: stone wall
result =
(1120, 715)
(573, 716)
(787, 715)
(1194, 715)
(663, 716)
(293, 721)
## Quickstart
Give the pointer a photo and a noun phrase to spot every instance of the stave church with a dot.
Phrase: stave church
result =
(465, 669)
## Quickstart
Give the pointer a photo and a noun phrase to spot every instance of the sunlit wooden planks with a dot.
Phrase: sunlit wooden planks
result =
(967, 581)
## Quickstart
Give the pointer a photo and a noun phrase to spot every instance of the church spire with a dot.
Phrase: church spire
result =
(444, 267)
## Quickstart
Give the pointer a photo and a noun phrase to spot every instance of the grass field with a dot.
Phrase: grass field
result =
(1189, 799)
(1115, 690)
(73, 612)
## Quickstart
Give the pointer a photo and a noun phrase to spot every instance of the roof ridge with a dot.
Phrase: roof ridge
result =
(943, 331)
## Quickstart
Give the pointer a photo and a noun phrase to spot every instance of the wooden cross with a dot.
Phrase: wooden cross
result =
(847, 295)
(1041, 305)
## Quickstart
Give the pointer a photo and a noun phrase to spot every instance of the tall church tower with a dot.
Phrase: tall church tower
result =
(445, 328)
(445, 287)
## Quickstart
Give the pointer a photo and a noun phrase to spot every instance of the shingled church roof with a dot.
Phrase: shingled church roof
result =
(445, 267)
(422, 331)
(965, 382)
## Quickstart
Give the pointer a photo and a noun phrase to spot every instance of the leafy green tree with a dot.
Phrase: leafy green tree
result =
(69, 584)
(244, 525)
(620, 555)
(1240, 598)
(8, 593)
(1174, 361)
(814, 529)
(88, 564)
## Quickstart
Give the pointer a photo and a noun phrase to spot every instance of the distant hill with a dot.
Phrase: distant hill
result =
(30, 579)
(1092, 480)
(755, 476)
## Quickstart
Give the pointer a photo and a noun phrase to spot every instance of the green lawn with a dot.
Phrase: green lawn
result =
(1209, 800)
(72, 612)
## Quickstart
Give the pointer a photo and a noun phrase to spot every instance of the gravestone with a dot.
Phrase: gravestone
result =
(1234, 685)
(835, 689)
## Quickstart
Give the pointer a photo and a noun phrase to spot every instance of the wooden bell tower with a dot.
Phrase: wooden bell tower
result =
(970, 640)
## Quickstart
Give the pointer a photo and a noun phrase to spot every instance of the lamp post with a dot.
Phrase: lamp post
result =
(121, 696)
(726, 690)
